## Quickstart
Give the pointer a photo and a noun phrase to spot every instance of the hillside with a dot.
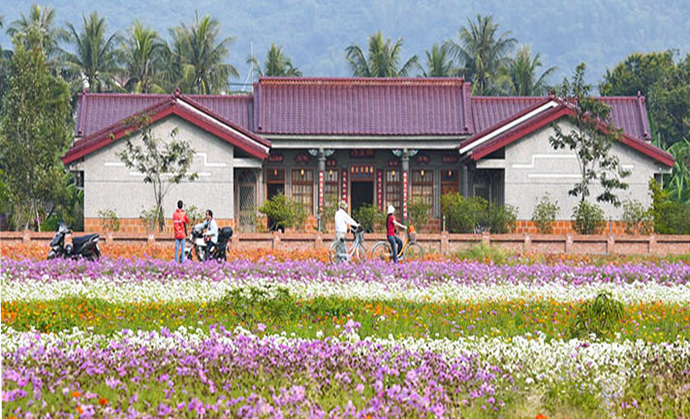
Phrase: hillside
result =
(314, 33)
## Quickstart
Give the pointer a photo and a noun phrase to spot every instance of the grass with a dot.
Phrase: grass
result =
(283, 312)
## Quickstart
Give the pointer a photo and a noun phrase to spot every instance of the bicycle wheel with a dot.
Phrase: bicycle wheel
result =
(360, 253)
(335, 252)
(413, 251)
(382, 251)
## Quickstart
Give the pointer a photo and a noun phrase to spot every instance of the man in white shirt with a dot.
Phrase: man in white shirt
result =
(211, 234)
(342, 220)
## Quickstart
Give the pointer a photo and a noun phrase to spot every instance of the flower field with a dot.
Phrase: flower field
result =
(267, 337)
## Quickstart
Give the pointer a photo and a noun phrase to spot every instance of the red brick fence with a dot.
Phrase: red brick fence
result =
(438, 243)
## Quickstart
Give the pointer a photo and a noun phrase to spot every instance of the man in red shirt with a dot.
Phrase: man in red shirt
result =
(180, 222)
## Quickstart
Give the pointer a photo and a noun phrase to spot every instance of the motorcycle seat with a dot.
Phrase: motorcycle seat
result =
(79, 241)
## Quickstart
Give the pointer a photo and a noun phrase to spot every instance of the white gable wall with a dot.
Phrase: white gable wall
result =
(110, 185)
(533, 167)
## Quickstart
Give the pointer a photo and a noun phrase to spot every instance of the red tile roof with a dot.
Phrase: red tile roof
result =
(99, 110)
(362, 106)
(184, 108)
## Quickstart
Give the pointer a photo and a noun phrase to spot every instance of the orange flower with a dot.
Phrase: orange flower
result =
(80, 410)
(540, 416)
(102, 401)
(76, 394)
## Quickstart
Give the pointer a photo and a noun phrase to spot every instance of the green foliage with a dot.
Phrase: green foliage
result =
(637, 219)
(439, 63)
(419, 212)
(500, 218)
(486, 253)
(142, 55)
(591, 140)
(109, 220)
(369, 216)
(383, 59)
(481, 53)
(35, 129)
(253, 304)
(589, 218)
(524, 80)
(544, 214)
(328, 213)
(678, 182)
(284, 213)
(670, 217)
(601, 316)
(152, 219)
(276, 65)
(462, 214)
(196, 215)
(163, 163)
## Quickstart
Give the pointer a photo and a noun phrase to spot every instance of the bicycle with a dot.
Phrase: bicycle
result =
(338, 251)
(410, 248)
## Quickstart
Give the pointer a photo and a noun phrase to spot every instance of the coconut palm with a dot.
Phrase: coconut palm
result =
(43, 19)
(276, 64)
(481, 53)
(523, 74)
(95, 58)
(141, 53)
(383, 59)
(197, 61)
(439, 63)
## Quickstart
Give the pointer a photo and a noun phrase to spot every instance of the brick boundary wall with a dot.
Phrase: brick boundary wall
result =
(444, 243)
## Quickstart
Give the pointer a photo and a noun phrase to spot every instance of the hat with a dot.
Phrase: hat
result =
(391, 209)
(343, 205)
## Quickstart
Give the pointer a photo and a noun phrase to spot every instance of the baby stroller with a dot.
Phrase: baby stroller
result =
(224, 236)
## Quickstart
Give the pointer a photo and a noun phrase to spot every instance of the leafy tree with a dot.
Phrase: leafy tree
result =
(163, 163)
(35, 129)
(481, 53)
(276, 64)
(197, 60)
(95, 59)
(43, 20)
(383, 59)
(678, 183)
(666, 85)
(142, 56)
(439, 63)
(591, 143)
(523, 72)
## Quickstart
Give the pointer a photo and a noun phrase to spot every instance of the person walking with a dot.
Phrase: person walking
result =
(180, 221)
(396, 243)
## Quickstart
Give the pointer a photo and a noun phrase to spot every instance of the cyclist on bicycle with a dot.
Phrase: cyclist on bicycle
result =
(396, 243)
(342, 220)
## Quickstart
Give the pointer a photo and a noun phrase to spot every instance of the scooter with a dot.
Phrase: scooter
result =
(85, 246)
(198, 247)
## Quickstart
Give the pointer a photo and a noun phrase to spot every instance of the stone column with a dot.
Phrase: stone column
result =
(405, 182)
(322, 172)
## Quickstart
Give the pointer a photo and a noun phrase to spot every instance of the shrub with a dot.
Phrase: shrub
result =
(500, 218)
(485, 253)
(369, 217)
(284, 213)
(195, 215)
(151, 219)
(328, 214)
(109, 220)
(589, 218)
(600, 316)
(419, 212)
(462, 214)
(670, 217)
(637, 219)
(544, 214)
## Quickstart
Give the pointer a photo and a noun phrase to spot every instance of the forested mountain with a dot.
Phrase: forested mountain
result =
(314, 33)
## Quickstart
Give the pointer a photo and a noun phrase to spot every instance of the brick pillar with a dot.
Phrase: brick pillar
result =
(445, 247)
(652, 245)
(276, 239)
(568, 243)
(26, 237)
(610, 244)
(527, 246)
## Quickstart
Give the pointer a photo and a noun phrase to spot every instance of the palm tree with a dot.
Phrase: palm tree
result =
(383, 59)
(96, 57)
(523, 74)
(142, 54)
(197, 60)
(43, 20)
(276, 64)
(480, 53)
(439, 64)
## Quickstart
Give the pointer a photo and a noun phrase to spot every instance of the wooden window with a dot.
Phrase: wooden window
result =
(275, 175)
(393, 191)
(450, 181)
(303, 187)
(423, 188)
(331, 188)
